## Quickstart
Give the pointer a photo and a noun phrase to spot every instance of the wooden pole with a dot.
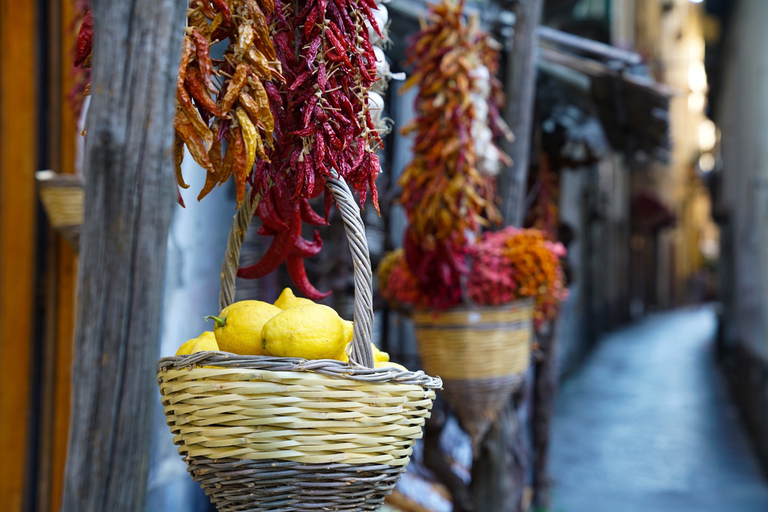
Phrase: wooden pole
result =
(544, 392)
(499, 470)
(128, 206)
(521, 89)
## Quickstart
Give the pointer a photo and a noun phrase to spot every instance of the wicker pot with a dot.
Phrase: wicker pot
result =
(481, 354)
(265, 433)
(62, 198)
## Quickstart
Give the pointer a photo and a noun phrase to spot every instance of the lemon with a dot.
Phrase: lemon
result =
(206, 342)
(342, 355)
(310, 332)
(378, 355)
(288, 300)
(238, 326)
(187, 347)
(389, 364)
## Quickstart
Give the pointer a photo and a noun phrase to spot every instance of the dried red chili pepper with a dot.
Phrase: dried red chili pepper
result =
(194, 84)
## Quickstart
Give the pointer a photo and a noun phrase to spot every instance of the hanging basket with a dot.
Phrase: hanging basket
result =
(265, 433)
(481, 354)
(62, 198)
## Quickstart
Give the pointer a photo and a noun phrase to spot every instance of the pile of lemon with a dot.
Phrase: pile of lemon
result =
(291, 327)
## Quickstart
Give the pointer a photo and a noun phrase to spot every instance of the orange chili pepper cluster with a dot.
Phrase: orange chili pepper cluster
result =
(219, 100)
(444, 193)
(516, 263)
(239, 111)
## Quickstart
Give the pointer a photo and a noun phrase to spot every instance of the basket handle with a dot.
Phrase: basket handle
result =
(361, 353)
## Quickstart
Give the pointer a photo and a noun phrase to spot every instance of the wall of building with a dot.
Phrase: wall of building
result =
(742, 206)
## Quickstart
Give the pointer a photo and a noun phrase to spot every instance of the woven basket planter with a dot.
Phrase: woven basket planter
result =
(265, 433)
(481, 354)
(62, 198)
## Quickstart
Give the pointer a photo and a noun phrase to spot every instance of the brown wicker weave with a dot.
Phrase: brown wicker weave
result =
(482, 353)
(266, 433)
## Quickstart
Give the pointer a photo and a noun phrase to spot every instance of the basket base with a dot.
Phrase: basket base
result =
(478, 402)
(277, 485)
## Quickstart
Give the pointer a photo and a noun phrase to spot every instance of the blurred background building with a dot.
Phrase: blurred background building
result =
(649, 161)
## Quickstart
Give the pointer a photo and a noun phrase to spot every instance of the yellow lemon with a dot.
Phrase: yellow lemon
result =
(204, 342)
(342, 355)
(238, 327)
(378, 355)
(389, 364)
(288, 300)
(186, 348)
(310, 332)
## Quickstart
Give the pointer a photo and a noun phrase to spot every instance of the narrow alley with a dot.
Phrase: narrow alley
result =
(647, 425)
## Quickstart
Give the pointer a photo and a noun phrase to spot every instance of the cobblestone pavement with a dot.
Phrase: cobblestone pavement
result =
(647, 425)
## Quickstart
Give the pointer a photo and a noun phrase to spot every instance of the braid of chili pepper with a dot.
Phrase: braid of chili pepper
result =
(449, 187)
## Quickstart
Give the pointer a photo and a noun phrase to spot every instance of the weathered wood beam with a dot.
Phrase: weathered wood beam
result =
(128, 206)
(596, 48)
(597, 69)
(545, 388)
(520, 89)
(498, 472)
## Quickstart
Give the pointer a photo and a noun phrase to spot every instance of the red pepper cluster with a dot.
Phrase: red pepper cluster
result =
(84, 45)
(82, 22)
(517, 263)
(322, 123)
(322, 116)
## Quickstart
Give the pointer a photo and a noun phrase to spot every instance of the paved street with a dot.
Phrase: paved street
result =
(647, 426)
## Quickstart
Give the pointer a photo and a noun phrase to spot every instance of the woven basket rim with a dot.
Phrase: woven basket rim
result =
(327, 367)
(519, 303)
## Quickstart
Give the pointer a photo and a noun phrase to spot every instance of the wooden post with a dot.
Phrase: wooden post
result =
(521, 92)
(129, 198)
(499, 470)
(544, 394)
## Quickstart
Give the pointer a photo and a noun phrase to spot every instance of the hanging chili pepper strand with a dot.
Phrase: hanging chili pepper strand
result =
(446, 196)
(322, 122)
(215, 98)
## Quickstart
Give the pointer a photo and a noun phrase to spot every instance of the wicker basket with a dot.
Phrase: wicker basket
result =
(264, 433)
(62, 198)
(482, 355)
